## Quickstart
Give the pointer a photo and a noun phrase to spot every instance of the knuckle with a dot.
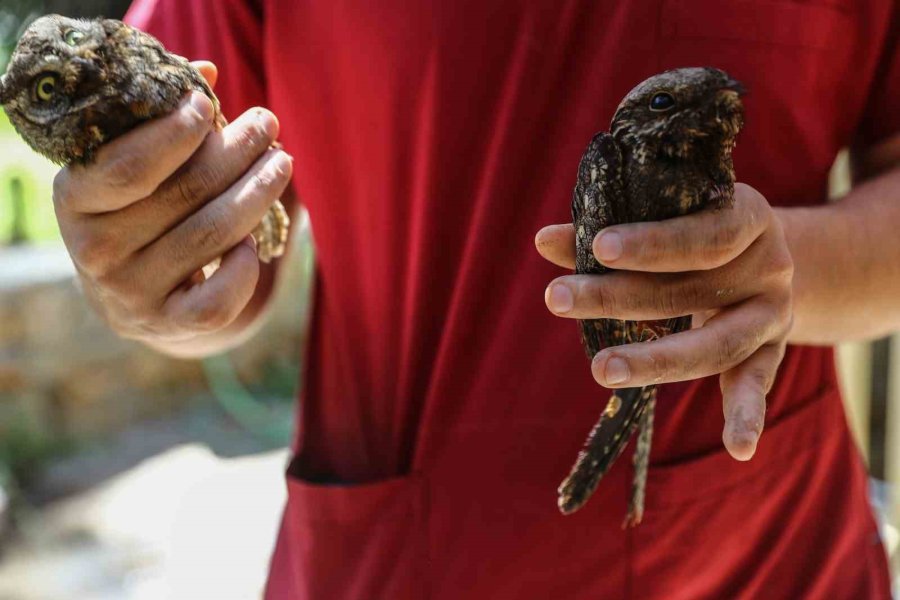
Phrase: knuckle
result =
(671, 299)
(62, 189)
(196, 183)
(143, 324)
(778, 268)
(603, 299)
(748, 194)
(130, 299)
(189, 120)
(126, 173)
(784, 315)
(210, 314)
(761, 377)
(661, 367)
(195, 122)
(251, 137)
(261, 181)
(788, 327)
(266, 179)
(135, 300)
(652, 244)
(95, 254)
(729, 350)
(248, 137)
(681, 243)
(726, 241)
(210, 230)
(783, 266)
(271, 175)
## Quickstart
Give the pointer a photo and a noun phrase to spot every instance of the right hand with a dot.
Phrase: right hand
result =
(161, 202)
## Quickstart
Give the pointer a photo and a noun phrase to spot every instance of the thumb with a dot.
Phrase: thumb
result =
(209, 71)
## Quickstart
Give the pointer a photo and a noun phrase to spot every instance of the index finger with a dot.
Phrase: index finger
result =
(132, 166)
(700, 241)
(556, 243)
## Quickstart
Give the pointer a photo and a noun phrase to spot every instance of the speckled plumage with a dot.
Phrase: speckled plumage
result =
(73, 85)
(655, 164)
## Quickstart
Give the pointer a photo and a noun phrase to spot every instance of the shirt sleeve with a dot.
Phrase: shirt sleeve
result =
(881, 119)
(226, 32)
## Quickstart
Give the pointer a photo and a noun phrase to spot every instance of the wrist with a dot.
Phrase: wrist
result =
(826, 263)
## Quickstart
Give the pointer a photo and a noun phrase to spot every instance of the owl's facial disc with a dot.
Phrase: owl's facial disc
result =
(53, 87)
(59, 46)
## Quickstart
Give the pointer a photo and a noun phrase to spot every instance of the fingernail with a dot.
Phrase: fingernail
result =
(202, 105)
(269, 122)
(742, 443)
(616, 371)
(250, 241)
(608, 246)
(559, 298)
(741, 435)
(282, 163)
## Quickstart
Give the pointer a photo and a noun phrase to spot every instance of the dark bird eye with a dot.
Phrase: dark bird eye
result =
(661, 102)
(74, 37)
(46, 87)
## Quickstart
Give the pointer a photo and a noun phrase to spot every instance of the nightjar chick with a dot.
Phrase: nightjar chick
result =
(668, 154)
(73, 85)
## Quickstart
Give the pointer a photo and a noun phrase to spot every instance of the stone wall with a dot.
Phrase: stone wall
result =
(65, 375)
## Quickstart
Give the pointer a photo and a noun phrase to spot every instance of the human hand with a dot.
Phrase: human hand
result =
(731, 269)
(161, 202)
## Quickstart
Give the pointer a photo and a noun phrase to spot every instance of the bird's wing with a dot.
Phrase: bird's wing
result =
(598, 196)
(597, 202)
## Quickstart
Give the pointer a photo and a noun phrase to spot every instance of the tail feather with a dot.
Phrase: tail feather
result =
(603, 446)
(641, 462)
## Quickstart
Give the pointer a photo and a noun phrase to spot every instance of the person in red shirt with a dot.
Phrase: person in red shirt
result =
(442, 402)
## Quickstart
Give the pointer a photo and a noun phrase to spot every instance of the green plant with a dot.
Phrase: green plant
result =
(24, 451)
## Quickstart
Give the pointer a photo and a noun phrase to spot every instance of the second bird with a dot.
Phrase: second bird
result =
(668, 154)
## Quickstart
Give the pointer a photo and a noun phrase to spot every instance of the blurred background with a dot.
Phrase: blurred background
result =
(126, 475)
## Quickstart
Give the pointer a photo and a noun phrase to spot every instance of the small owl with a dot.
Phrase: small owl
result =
(668, 154)
(73, 85)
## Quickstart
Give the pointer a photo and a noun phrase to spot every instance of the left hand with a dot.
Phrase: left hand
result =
(730, 268)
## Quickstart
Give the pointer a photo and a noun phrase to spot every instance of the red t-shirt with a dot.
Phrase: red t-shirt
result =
(443, 403)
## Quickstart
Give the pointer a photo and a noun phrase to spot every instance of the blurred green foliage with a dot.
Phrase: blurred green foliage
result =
(14, 15)
(25, 178)
(24, 451)
(26, 188)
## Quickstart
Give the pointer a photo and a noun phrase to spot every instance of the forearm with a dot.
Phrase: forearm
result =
(847, 264)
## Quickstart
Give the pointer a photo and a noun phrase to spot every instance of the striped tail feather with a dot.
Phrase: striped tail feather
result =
(607, 440)
(641, 463)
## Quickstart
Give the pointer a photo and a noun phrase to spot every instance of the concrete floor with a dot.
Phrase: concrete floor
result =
(184, 524)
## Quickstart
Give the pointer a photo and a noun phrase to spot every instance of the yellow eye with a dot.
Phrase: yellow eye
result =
(74, 37)
(46, 87)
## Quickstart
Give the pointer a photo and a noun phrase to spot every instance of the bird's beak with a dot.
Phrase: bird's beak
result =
(735, 86)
